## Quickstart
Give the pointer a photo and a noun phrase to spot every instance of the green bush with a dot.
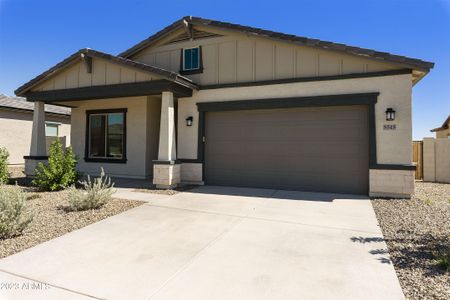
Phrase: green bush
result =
(4, 154)
(94, 194)
(60, 172)
(13, 218)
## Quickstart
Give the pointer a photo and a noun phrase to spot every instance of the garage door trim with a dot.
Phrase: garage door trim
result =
(369, 99)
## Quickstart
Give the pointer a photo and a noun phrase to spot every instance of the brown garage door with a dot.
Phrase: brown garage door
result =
(312, 149)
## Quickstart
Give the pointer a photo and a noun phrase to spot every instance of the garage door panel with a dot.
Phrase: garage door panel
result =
(316, 149)
(343, 129)
(312, 148)
(306, 181)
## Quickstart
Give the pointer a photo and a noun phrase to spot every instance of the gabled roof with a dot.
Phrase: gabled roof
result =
(19, 103)
(443, 126)
(169, 75)
(298, 40)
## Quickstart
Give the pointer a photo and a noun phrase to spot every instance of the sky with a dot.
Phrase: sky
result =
(35, 35)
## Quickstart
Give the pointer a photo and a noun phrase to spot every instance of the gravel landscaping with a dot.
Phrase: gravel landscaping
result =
(52, 220)
(415, 230)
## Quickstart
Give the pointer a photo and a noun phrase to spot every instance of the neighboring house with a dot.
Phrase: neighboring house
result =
(204, 101)
(444, 130)
(16, 122)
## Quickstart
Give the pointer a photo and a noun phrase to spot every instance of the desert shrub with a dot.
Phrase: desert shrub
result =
(4, 154)
(94, 194)
(60, 172)
(442, 259)
(13, 218)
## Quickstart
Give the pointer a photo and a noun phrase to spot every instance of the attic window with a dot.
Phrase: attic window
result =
(191, 61)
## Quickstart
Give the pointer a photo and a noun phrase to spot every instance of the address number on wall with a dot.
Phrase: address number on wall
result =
(389, 127)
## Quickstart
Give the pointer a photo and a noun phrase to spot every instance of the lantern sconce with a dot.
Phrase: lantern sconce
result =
(390, 114)
(189, 121)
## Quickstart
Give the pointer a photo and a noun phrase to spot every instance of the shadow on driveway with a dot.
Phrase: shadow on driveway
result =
(276, 194)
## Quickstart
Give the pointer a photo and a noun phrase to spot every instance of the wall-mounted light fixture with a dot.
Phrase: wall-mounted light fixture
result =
(189, 120)
(390, 114)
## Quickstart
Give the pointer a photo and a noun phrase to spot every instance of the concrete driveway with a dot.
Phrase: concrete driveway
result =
(214, 243)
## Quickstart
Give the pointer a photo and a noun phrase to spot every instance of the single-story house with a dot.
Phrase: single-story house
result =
(210, 102)
(16, 122)
(444, 130)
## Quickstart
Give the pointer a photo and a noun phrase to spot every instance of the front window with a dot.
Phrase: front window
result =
(107, 135)
(51, 129)
(191, 59)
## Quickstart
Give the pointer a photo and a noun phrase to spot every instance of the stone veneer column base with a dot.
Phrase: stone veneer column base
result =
(167, 175)
(31, 163)
(391, 183)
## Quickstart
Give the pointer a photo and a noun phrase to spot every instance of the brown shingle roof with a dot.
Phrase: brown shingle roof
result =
(169, 75)
(298, 40)
(20, 103)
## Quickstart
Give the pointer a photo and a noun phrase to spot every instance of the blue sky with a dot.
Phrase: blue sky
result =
(34, 35)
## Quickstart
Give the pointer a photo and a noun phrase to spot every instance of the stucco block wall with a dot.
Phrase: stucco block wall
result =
(191, 173)
(391, 183)
(393, 146)
(15, 132)
(136, 140)
(436, 160)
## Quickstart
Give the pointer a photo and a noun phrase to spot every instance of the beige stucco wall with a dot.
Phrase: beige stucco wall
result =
(15, 132)
(393, 146)
(103, 72)
(241, 58)
(139, 109)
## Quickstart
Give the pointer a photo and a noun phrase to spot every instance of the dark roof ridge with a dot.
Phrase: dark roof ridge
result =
(326, 45)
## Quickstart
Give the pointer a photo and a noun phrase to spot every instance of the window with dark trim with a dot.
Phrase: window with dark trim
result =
(51, 128)
(106, 135)
(191, 61)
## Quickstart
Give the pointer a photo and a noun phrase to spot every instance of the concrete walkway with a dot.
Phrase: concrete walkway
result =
(215, 243)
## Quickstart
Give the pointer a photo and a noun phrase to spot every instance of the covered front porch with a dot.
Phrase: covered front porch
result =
(126, 128)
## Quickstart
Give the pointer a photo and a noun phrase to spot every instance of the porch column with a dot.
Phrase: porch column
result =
(38, 150)
(166, 171)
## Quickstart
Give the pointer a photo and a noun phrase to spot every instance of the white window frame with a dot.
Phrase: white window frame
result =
(184, 58)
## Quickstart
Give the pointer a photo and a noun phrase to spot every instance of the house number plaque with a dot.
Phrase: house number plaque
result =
(389, 127)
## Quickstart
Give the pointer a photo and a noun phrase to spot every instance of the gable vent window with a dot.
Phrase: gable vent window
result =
(191, 61)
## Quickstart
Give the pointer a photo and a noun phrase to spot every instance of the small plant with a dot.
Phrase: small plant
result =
(60, 172)
(13, 218)
(442, 259)
(94, 194)
(4, 154)
(428, 201)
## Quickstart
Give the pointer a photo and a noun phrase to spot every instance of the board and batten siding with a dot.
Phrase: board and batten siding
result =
(238, 58)
(103, 72)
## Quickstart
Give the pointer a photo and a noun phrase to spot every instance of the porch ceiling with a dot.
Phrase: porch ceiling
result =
(145, 88)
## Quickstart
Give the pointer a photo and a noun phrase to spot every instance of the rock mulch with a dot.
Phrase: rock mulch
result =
(415, 230)
(51, 220)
